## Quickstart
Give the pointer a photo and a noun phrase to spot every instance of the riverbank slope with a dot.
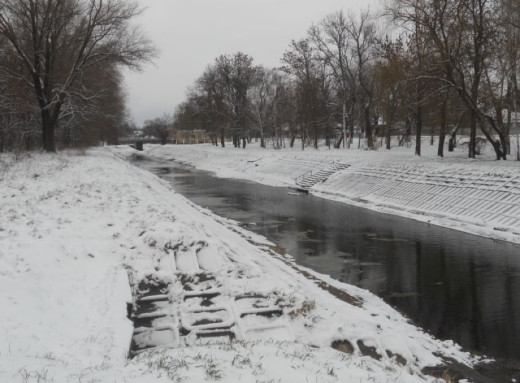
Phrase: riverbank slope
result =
(479, 196)
(83, 234)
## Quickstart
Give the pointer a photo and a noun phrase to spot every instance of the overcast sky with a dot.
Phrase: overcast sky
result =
(190, 34)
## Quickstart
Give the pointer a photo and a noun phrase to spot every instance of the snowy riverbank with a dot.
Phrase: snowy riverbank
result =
(479, 196)
(73, 226)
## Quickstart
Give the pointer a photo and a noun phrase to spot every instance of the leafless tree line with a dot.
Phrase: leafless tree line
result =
(60, 70)
(159, 127)
(422, 67)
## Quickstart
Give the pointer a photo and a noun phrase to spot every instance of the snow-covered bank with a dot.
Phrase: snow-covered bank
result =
(476, 196)
(72, 227)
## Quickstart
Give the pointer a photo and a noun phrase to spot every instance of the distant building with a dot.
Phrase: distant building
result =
(188, 137)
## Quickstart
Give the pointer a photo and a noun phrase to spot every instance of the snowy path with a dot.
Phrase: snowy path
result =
(477, 196)
(73, 226)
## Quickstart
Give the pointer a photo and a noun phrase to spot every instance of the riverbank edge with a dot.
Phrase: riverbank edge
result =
(487, 370)
(77, 222)
(211, 159)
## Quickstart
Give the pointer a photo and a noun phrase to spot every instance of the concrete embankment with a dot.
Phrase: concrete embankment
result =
(458, 197)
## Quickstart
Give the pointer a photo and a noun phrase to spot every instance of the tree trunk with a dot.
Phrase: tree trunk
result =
(498, 145)
(344, 125)
(517, 147)
(389, 124)
(351, 123)
(368, 128)
(418, 130)
(4, 129)
(350, 140)
(315, 126)
(337, 145)
(453, 139)
(442, 132)
(303, 138)
(48, 138)
(407, 131)
(472, 135)
(508, 132)
(48, 128)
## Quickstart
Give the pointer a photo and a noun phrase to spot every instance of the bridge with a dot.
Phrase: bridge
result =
(138, 142)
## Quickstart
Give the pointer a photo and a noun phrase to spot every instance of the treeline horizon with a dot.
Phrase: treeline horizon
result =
(447, 65)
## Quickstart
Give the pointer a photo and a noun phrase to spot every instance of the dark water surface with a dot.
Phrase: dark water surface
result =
(455, 285)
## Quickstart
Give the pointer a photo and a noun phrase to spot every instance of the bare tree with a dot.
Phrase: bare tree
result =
(391, 86)
(208, 96)
(97, 115)
(462, 36)
(236, 75)
(222, 93)
(188, 116)
(264, 99)
(502, 75)
(159, 127)
(333, 42)
(301, 62)
(57, 40)
(285, 125)
(362, 32)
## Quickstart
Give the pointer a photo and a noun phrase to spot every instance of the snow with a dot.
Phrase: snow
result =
(77, 229)
(479, 196)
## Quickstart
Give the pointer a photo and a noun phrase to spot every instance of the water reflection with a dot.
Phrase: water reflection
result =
(455, 285)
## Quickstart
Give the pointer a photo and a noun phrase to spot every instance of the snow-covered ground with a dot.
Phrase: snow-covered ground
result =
(479, 196)
(76, 227)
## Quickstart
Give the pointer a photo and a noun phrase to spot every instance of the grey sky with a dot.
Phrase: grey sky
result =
(190, 34)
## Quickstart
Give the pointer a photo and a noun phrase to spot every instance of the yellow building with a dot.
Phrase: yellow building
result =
(188, 137)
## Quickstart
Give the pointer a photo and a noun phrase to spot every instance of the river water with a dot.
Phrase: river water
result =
(454, 285)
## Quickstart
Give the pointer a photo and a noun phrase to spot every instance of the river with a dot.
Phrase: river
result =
(454, 285)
